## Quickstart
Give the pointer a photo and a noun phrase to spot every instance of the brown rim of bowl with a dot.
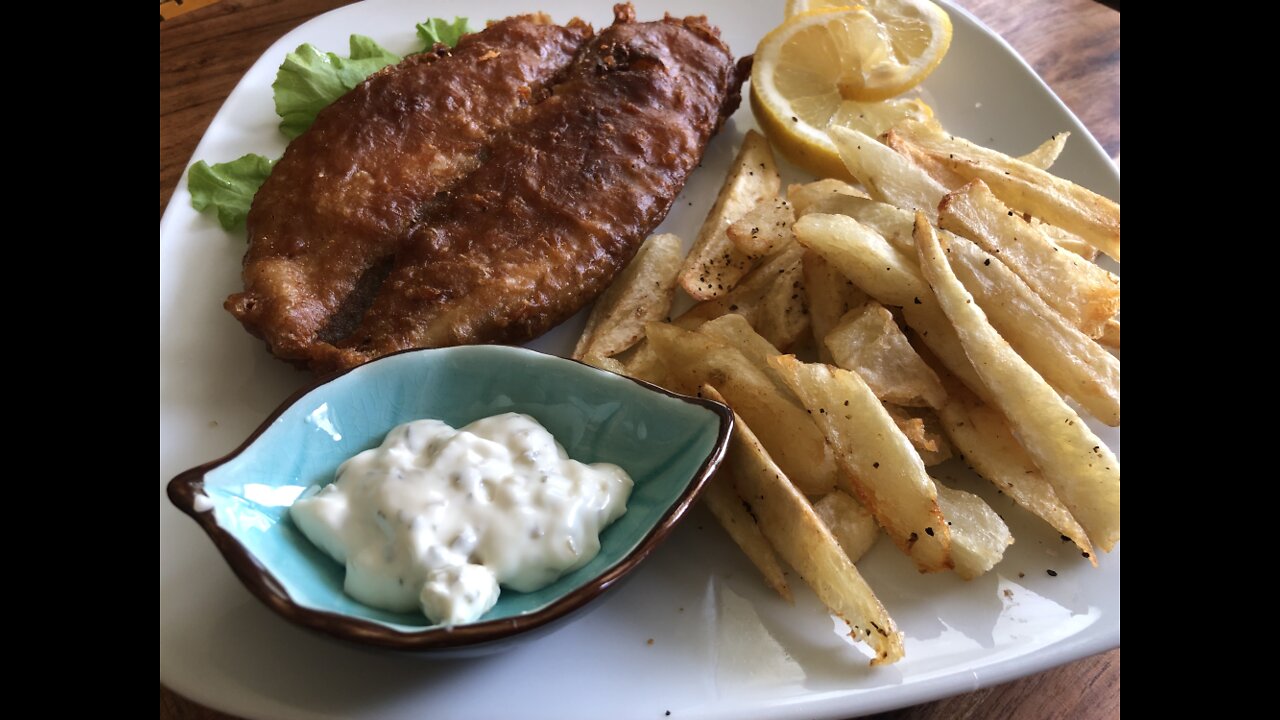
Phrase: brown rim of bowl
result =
(182, 490)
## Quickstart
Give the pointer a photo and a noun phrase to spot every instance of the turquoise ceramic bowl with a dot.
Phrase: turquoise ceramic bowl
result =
(670, 444)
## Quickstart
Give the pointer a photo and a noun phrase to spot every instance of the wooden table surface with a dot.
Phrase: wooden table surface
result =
(1073, 44)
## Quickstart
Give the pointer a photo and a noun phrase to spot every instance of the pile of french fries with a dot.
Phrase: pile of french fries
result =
(950, 306)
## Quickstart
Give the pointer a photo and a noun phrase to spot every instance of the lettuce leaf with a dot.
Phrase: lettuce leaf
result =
(228, 188)
(436, 30)
(309, 80)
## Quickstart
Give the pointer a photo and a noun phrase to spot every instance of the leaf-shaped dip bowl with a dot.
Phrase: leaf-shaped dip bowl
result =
(670, 444)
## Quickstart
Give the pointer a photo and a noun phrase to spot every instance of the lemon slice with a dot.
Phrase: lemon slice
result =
(870, 52)
(820, 66)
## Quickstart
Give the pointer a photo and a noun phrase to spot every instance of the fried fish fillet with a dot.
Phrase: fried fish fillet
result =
(552, 208)
(565, 200)
(348, 190)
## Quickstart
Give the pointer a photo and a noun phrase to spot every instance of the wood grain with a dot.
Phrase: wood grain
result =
(1073, 44)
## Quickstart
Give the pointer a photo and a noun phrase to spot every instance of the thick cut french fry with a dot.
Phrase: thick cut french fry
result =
(830, 294)
(978, 535)
(714, 265)
(643, 363)
(887, 475)
(642, 293)
(935, 169)
(721, 497)
(1063, 239)
(835, 202)
(1066, 357)
(860, 208)
(1081, 468)
(888, 176)
(924, 435)
(983, 437)
(693, 359)
(850, 523)
(797, 533)
(764, 230)
(763, 298)
(783, 317)
(931, 329)
(1047, 154)
(1025, 188)
(802, 196)
(888, 274)
(862, 255)
(735, 331)
(1085, 294)
(869, 342)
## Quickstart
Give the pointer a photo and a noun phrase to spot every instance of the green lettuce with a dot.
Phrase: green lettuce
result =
(309, 80)
(228, 188)
(306, 83)
(436, 30)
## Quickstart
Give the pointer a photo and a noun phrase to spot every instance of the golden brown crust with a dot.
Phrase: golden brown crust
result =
(346, 191)
(469, 226)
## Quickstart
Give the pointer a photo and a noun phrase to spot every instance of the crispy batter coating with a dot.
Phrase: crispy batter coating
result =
(347, 191)
(516, 231)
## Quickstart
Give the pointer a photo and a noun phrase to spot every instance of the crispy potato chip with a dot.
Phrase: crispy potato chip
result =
(797, 533)
(869, 342)
(862, 255)
(923, 428)
(982, 435)
(714, 265)
(851, 524)
(693, 359)
(830, 294)
(1082, 469)
(802, 196)
(721, 497)
(978, 535)
(888, 176)
(1023, 187)
(888, 476)
(642, 293)
(1047, 154)
(765, 229)
(1085, 294)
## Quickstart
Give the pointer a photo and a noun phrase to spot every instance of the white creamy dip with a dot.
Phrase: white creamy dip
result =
(438, 518)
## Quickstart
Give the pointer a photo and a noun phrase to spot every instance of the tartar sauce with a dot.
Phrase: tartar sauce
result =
(438, 518)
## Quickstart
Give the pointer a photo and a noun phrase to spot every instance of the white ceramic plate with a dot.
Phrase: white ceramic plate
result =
(694, 632)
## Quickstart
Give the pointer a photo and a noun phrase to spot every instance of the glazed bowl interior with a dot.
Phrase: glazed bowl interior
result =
(669, 444)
